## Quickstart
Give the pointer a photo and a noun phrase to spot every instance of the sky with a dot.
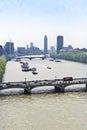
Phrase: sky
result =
(26, 21)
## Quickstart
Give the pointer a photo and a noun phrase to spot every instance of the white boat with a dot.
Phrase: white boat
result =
(51, 59)
(57, 60)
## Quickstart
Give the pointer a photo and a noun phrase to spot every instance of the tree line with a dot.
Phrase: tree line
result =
(75, 55)
(2, 66)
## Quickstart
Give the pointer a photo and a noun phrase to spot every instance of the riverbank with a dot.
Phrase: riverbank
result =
(78, 56)
(2, 66)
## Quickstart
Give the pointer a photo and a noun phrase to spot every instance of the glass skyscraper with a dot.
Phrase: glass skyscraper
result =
(9, 48)
(59, 43)
(45, 45)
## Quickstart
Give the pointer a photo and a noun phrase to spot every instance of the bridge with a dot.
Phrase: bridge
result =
(59, 84)
(30, 57)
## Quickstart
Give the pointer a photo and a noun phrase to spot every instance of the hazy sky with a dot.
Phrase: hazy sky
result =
(25, 21)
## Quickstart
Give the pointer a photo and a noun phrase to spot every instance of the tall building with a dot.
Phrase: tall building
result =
(45, 45)
(52, 49)
(21, 51)
(31, 44)
(1, 50)
(59, 43)
(9, 48)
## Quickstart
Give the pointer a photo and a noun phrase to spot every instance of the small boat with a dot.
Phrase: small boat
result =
(57, 60)
(34, 72)
(24, 65)
(34, 69)
(21, 62)
(17, 60)
(48, 67)
(51, 59)
(25, 69)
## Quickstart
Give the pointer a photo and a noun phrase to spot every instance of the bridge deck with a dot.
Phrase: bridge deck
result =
(38, 83)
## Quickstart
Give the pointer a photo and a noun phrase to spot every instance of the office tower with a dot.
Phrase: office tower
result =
(52, 49)
(31, 44)
(21, 51)
(9, 48)
(45, 45)
(1, 50)
(59, 43)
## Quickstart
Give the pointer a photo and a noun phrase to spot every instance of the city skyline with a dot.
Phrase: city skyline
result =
(29, 21)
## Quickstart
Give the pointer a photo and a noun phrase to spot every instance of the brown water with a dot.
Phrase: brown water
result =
(47, 110)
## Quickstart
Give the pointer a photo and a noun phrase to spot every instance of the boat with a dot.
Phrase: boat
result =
(17, 60)
(48, 67)
(26, 69)
(57, 60)
(34, 69)
(34, 72)
(21, 62)
(51, 59)
(24, 65)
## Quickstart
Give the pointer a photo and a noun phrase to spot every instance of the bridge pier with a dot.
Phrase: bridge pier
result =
(43, 58)
(86, 87)
(59, 89)
(27, 91)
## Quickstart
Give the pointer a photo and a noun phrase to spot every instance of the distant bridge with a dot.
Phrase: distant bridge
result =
(32, 57)
(59, 84)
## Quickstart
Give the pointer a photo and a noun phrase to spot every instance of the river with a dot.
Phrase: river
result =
(43, 109)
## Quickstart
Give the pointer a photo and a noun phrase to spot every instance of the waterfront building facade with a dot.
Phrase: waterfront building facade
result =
(9, 48)
(21, 51)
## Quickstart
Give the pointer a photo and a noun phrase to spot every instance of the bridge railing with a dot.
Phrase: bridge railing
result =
(23, 84)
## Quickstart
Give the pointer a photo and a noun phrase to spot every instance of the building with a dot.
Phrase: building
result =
(1, 50)
(21, 51)
(31, 44)
(52, 49)
(9, 48)
(45, 45)
(69, 48)
(59, 43)
(34, 50)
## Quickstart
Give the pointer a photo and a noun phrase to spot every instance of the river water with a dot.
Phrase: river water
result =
(44, 109)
